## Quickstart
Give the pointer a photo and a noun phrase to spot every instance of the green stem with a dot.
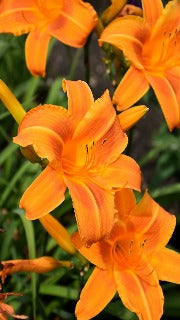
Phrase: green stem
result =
(29, 231)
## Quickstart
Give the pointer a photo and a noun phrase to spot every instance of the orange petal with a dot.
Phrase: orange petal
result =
(16, 16)
(47, 143)
(52, 117)
(80, 98)
(110, 146)
(125, 201)
(130, 117)
(44, 194)
(152, 10)
(166, 264)
(140, 294)
(127, 34)
(94, 209)
(131, 88)
(173, 76)
(36, 61)
(74, 24)
(100, 253)
(123, 173)
(97, 293)
(154, 223)
(168, 22)
(162, 49)
(167, 99)
(97, 121)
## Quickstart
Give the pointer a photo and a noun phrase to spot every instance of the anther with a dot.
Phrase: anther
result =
(87, 150)
(131, 244)
(143, 243)
(103, 142)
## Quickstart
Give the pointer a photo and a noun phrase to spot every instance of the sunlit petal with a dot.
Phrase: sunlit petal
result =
(80, 98)
(76, 21)
(53, 117)
(168, 20)
(123, 173)
(94, 209)
(100, 253)
(44, 194)
(152, 10)
(140, 294)
(47, 143)
(36, 61)
(110, 146)
(125, 201)
(97, 121)
(166, 263)
(167, 99)
(98, 291)
(131, 88)
(151, 219)
(16, 16)
(128, 34)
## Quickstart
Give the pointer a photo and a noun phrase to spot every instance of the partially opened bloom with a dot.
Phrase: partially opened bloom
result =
(68, 21)
(6, 309)
(152, 45)
(83, 146)
(131, 261)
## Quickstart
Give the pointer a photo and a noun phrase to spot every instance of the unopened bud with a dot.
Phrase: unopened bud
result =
(129, 117)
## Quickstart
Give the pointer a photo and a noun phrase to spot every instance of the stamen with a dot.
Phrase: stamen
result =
(103, 142)
(143, 243)
(90, 157)
(130, 248)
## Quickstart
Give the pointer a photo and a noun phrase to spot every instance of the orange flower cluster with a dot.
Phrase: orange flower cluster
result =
(83, 149)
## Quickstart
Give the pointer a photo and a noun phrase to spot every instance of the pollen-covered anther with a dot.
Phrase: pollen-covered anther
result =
(90, 154)
(130, 246)
(143, 243)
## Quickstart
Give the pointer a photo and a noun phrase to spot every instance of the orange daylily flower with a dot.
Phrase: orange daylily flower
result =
(83, 146)
(132, 260)
(152, 45)
(5, 309)
(68, 21)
